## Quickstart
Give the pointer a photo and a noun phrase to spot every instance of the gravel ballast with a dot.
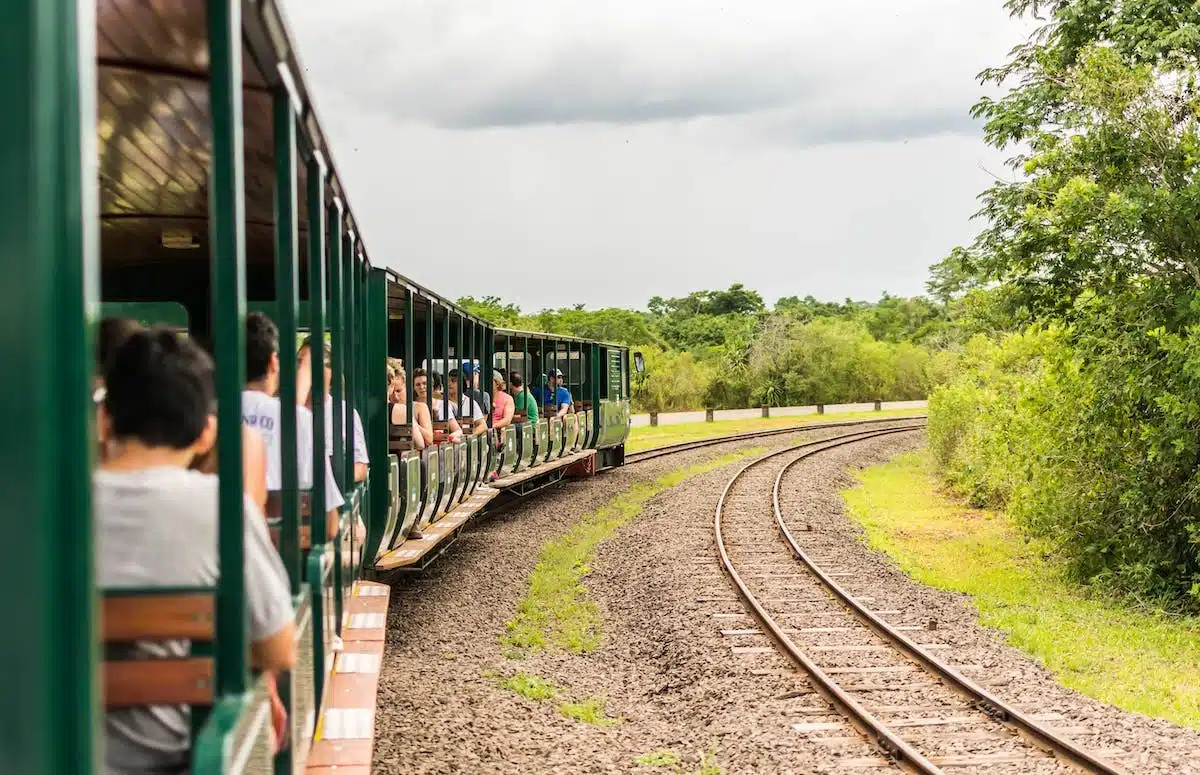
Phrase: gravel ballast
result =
(664, 670)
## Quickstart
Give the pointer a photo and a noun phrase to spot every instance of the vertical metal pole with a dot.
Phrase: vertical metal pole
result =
(48, 232)
(542, 368)
(337, 325)
(446, 366)
(373, 300)
(351, 333)
(430, 322)
(228, 245)
(316, 322)
(460, 356)
(410, 325)
(287, 295)
(525, 366)
(337, 331)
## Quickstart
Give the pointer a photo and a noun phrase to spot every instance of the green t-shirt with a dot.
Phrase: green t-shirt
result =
(523, 402)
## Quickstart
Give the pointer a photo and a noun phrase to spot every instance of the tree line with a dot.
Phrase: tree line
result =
(726, 349)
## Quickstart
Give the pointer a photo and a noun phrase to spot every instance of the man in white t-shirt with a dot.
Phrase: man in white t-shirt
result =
(362, 461)
(156, 525)
(262, 411)
(462, 408)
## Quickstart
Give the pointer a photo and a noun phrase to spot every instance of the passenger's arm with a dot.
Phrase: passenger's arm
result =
(510, 409)
(424, 422)
(455, 430)
(269, 600)
(254, 467)
(360, 471)
(303, 377)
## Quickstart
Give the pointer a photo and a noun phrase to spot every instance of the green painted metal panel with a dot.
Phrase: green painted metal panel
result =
(48, 221)
(228, 239)
(148, 313)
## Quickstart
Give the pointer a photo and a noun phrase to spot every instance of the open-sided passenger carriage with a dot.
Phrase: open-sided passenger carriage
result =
(166, 157)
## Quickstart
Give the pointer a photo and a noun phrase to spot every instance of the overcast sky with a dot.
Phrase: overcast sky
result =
(515, 147)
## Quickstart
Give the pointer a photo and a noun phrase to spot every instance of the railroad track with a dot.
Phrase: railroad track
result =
(923, 714)
(684, 446)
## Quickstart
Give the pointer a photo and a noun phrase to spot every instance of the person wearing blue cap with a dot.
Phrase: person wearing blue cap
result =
(471, 388)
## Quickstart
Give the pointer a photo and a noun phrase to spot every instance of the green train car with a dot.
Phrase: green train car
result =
(164, 163)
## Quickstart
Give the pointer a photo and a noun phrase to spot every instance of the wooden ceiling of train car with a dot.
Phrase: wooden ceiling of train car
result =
(155, 143)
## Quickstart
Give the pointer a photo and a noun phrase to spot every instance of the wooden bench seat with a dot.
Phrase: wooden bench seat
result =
(131, 679)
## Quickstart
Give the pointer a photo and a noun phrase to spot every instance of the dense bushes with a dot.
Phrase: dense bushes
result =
(1089, 441)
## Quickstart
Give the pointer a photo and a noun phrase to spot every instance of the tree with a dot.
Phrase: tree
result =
(492, 309)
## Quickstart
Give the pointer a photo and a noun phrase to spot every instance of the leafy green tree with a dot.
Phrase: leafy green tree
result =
(1093, 438)
(492, 309)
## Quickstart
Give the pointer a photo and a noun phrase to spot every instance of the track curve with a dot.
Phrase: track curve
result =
(984, 707)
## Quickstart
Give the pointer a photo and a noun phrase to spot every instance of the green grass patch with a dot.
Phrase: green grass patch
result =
(1141, 661)
(531, 687)
(661, 758)
(556, 609)
(643, 438)
(590, 711)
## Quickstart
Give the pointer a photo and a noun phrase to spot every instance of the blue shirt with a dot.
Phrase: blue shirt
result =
(562, 396)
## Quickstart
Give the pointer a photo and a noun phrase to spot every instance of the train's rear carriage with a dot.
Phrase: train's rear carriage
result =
(610, 367)
(217, 193)
(439, 487)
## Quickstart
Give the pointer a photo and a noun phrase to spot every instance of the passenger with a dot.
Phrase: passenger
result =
(502, 403)
(362, 460)
(522, 400)
(398, 406)
(110, 334)
(156, 525)
(466, 408)
(454, 431)
(481, 397)
(558, 398)
(421, 415)
(261, 411)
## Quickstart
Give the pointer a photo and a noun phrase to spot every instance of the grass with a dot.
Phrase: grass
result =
(1136, 660)
(556, 609)
(661, 758)
(592, 710)
(529, 686)
(643, 438)
(589, 711)
(665, 757)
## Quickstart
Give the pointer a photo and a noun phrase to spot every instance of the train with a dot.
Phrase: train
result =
(170, 167)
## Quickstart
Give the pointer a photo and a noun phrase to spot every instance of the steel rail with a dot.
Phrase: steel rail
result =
(872, 728)
(983, 700)
(684, 446)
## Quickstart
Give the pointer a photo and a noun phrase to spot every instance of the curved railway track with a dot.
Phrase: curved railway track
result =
(685, 446)
(834, 637)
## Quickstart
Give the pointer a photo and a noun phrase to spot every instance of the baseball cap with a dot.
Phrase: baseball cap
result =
(556, 373)
(468, 368)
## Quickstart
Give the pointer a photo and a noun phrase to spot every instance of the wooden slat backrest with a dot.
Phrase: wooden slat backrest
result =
(148, 615)
(129, 617)
(138, 682)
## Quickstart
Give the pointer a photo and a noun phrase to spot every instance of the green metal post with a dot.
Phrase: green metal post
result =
(351, 333)
(337, 331)
(410, 325)
(595, 373)
(316, 311)
(459, 356)
(446, 367)
(287, 295)
(542, 368)
(50, 713)
(430, 319)
(335, 456)
(374, 340)
(228, 245)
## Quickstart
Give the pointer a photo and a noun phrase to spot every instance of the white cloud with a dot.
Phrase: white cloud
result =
(799, 146)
